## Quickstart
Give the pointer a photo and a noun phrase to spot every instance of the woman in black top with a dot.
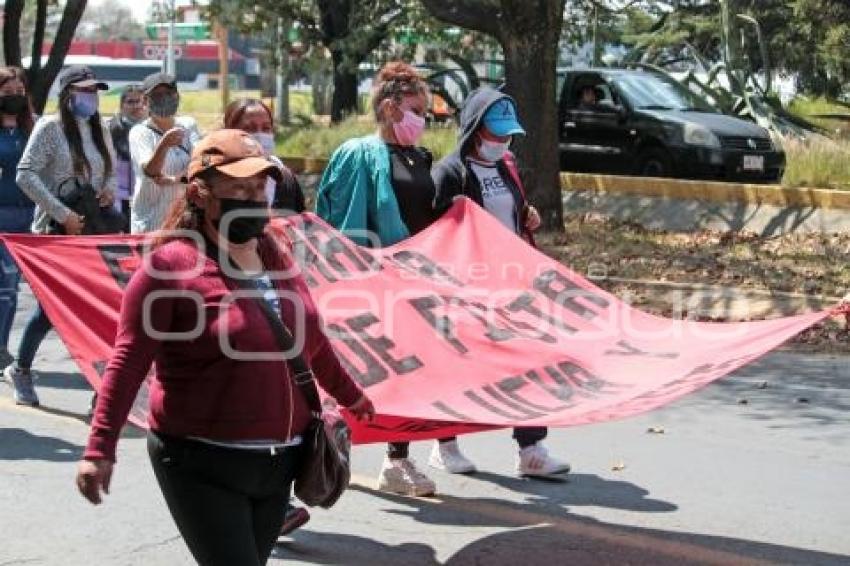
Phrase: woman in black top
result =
(382, 184)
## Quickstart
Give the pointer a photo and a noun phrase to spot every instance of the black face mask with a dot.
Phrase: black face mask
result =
(13, 103)
(242, 228)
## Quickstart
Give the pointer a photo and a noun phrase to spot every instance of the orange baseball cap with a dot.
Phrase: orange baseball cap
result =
(232, 152)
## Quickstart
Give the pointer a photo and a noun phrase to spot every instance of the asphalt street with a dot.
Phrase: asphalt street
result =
(754, 469)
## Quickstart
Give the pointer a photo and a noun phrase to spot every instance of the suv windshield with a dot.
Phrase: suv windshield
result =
(655, 92)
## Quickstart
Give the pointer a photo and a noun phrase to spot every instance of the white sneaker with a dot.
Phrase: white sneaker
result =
(447, 456)
(535, 461)
(401, 477)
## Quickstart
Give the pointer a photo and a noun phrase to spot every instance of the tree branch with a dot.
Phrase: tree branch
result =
(479, 15)
(38, 37)
(71, 16)
(13, 11)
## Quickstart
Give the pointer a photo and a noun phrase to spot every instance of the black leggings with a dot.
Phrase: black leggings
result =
(228, 503)
(525, 436)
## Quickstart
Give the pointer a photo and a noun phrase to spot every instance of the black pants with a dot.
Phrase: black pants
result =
(228, 503)
(525, 436)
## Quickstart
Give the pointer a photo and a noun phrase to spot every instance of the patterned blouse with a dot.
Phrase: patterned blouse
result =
(46, 164)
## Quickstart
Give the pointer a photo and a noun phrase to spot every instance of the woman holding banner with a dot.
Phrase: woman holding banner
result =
(16, 208)
(226, 417)
(72, 147)
(483, 169)
(377, 190)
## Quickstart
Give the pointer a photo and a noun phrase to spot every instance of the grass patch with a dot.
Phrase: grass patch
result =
(818, 163)
(809, 108)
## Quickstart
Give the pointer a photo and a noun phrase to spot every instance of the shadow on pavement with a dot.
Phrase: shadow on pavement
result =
(326, 548)
(18, 444)
(584, 489)
(62, 380)
(547, 534)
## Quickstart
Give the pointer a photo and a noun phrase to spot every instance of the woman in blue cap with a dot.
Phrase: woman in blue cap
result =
(482, 168)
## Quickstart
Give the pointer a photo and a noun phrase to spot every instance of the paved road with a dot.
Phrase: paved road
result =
(766, 481)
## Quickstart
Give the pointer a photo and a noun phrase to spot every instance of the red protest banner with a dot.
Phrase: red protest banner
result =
(461, 328)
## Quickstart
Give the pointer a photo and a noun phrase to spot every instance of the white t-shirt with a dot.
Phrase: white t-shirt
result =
(498, 199)
(151, 200)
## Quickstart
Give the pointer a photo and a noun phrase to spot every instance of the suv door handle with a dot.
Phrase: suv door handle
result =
(569, 124)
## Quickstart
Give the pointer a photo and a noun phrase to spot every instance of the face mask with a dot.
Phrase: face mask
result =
(409, 130)
(164, 106)
(13, 103)
(492, 151)
(242, 228)
(84, 104)
(266, 140)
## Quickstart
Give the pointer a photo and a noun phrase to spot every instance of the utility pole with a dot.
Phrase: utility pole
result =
(282, 72)
(223, 64)
(170, 67)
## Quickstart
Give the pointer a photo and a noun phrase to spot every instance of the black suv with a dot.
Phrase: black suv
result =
(638, 122)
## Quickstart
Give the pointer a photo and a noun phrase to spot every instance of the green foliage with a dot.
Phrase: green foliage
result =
(320, 141)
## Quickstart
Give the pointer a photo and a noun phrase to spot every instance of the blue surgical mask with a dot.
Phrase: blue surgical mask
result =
(84, 104)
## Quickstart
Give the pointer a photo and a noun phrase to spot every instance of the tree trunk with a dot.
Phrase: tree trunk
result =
(344, 102)
(529, 32)
(41, 82)
(13, 11)
(531, 78)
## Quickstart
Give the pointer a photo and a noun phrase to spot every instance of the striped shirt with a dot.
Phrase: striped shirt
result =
(152, 200)
(46, 164)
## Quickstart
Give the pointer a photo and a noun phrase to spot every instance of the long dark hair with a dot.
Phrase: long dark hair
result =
(82, 167)
(24, 117)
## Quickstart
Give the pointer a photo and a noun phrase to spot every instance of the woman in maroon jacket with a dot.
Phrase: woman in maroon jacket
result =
(225, 416)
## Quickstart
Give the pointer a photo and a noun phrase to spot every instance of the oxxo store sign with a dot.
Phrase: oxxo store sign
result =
(159, 51)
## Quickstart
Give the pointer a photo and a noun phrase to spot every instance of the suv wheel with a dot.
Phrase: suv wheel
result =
(655, 162)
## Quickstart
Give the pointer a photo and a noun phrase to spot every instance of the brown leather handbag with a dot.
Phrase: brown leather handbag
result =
(325, 468)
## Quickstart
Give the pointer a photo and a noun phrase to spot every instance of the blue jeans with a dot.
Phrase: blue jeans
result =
(15, 220)
(37, 328)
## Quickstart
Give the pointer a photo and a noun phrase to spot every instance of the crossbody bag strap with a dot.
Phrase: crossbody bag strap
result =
(302, 375)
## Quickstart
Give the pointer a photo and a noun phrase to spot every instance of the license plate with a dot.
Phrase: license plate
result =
(754, 163)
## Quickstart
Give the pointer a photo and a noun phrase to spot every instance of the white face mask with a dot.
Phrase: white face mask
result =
(492, 151)
(266, 140)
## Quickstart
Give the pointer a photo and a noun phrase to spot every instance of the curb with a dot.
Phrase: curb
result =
(712, 191)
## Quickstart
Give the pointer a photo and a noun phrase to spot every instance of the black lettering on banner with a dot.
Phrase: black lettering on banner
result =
(478, 400)
(381, 345)
(498, 396)
(524, 329)
(334, 247)
(493, 332)
(583, 379)
(511, 385)
(308, 261)
(422, 265)
(556, 287)
(724, 365)
(443, 408)
(374, 373)
(425, 306)
(525, 303)
(112, 255)
(629, 350)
